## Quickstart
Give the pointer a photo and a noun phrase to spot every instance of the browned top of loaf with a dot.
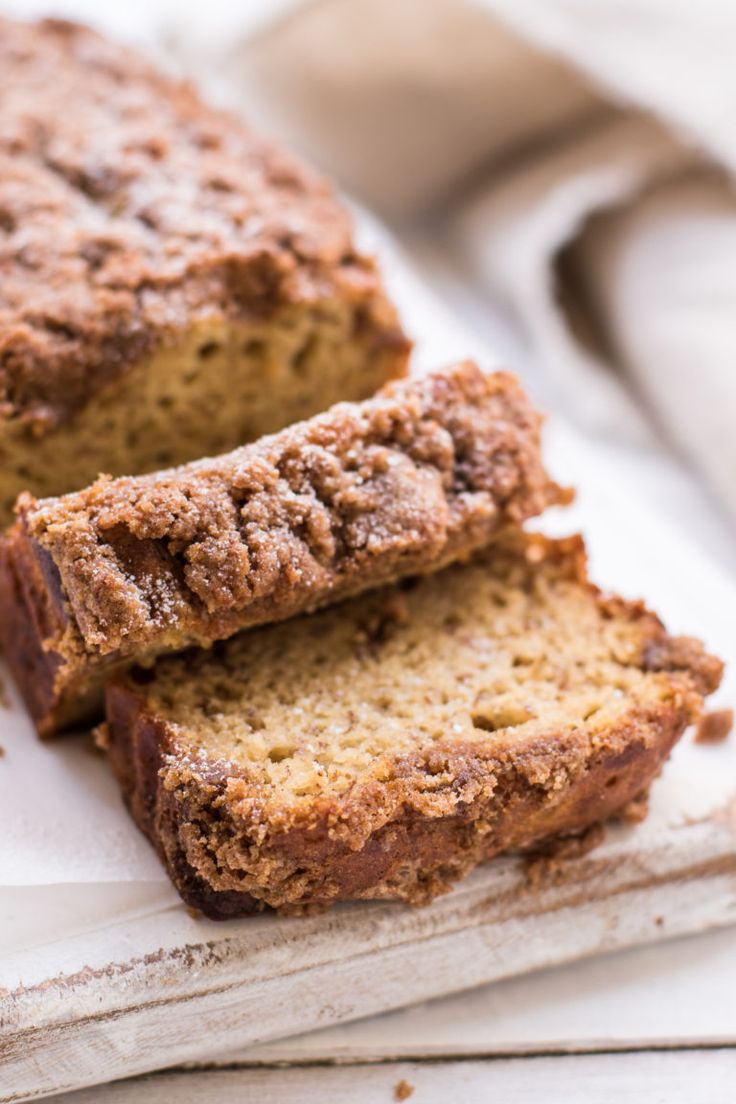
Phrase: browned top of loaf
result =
(427, 468)
(128, 209)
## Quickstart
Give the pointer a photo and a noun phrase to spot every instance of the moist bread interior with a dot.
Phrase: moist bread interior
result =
(492, 650)
(217, 386)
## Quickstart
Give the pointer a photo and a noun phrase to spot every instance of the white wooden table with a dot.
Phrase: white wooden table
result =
(689, 1076)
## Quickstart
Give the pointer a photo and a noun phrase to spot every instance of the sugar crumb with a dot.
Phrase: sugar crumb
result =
(714, 727)
(550, 861)
(101, 737)
(636, 810)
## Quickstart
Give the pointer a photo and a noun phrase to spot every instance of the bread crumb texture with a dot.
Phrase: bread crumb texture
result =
(385, 746)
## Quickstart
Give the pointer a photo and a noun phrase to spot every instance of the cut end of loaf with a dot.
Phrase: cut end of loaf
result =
(180, 289)
(204, 392)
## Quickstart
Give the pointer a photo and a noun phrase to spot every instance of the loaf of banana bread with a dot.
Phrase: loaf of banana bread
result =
(173, 285)
(427, 470)
(385, 746)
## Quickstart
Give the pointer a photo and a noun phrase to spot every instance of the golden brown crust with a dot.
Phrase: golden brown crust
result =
(130, 211)
(411, 856)
(30, 614)
(439, 812)
(422, 473)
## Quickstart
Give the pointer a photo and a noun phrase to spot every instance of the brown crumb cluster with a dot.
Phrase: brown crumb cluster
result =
(714, 727)
(130, 210)
(551, 860)
(636, 810)
(420, 730)
(425, 471)
(403, 1090)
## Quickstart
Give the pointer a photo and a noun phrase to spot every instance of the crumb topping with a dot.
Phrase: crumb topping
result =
(352, 498)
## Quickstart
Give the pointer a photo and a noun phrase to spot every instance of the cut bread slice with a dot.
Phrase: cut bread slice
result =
(384, 747)
(423, 472)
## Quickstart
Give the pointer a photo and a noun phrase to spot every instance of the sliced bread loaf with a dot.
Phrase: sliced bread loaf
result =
(384, 747)
(423, 472)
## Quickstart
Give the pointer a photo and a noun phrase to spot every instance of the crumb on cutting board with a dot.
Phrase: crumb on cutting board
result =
(714, 727)
(551, 860)
(101, 737)
(635, 810)
(403, 1090)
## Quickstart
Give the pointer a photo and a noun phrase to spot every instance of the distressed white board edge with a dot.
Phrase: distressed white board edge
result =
(265, 980)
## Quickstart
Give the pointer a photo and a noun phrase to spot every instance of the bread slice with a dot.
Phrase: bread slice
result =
(173, 285)
(384, 747)
(129, 568)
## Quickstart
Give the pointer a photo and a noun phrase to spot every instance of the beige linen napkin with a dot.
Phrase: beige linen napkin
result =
(556, 133)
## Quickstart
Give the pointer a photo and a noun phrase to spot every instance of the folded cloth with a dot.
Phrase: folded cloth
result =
(660, 275)
(518, 234)
(558, 113)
